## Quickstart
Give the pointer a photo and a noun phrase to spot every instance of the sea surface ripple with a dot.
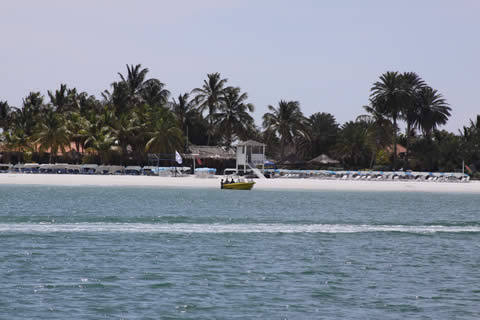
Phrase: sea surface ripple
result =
(153, 253)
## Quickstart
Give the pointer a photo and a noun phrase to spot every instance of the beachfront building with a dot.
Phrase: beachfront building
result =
(251, 155)
(217, 157)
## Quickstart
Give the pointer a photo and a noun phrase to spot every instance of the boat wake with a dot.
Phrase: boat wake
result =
(226, 228)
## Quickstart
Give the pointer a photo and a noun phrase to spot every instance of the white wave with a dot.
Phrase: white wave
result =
(226, 228)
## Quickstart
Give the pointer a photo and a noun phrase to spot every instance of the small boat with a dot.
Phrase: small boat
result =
(239, 184)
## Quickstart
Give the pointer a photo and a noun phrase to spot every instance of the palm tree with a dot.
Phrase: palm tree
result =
(470, 141)
(76, 124)
(434, 110)
(234, 119)
(322, 130)
(287, 121)
(153, 93)
(52, 133)
(164, 135)
(124, 129)
(412, 85)
(135, 78)
(387, 97)
(60, 99)
(187, 115)
(352, 144)
(102, 144)
(209, 96)
(378, 133)
(5, 112)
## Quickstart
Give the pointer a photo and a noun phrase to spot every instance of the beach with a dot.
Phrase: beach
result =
(214, 182)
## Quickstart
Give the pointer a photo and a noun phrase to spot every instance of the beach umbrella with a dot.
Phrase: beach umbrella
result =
(323, 159)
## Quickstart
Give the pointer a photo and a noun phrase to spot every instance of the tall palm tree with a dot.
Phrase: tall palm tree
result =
(164, 135)
(387, 97)
(186, 113)
(434, 110)
(287, 121)
(153, 93)
(470, 141)
(5, 112)
(63, 99)
(378, 131)
(76, 124)
(209, 96)
(125, 128)
(52, 133)
(233, 119)
(412, 83)
(102, 144)
(17, 140)
(119, 98)
(322, 130)
(134, 79)
(352, 144)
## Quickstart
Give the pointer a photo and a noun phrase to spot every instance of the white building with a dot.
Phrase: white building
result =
(251, 155)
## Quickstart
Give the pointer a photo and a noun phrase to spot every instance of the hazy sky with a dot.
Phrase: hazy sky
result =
(325, 54)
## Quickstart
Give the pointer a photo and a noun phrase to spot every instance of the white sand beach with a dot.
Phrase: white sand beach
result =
(268, 184)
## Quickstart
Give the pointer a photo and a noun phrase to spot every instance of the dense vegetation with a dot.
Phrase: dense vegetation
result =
(137, 116)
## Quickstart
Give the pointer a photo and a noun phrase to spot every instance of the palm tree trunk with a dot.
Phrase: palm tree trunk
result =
(394, 143)
(282, 149)
(407, 165)
(372, 159)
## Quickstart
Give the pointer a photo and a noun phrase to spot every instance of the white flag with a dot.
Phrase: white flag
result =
(178, 157)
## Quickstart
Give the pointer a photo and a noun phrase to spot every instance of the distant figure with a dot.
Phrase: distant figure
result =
(233, 181)
(221, 184)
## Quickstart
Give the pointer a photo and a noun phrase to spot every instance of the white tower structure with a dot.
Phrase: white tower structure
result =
(251, 154)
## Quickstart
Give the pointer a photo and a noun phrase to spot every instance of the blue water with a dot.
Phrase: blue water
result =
(151, 253)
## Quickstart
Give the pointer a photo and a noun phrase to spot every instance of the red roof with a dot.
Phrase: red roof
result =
(400, 149)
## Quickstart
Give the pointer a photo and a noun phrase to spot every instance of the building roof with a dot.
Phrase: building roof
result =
(400, 149)
(250, 143)
(211, 152)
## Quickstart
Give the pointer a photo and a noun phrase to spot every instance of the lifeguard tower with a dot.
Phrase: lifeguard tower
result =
(251, 155)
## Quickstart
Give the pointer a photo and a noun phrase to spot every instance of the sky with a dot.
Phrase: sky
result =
(324, 54)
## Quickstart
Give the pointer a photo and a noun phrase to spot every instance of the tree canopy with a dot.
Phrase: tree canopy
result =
(137, 116)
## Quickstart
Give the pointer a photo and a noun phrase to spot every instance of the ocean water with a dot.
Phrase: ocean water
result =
(152, 253)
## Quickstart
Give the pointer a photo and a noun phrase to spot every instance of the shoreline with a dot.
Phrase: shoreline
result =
(214, 183)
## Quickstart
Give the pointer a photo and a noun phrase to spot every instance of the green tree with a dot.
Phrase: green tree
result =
(411, 110)
(434, 110)
(52, 133)
(164, 135)
(287, 121)
(470, 142)
(153, 93)
(352, 144)
(388, 97)
(134, 79)
(5, 113)
(321, 130)
(378, 133)
(233, 119)
(208, 97)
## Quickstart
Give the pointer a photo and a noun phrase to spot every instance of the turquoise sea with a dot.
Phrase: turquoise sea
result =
(153, 253)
